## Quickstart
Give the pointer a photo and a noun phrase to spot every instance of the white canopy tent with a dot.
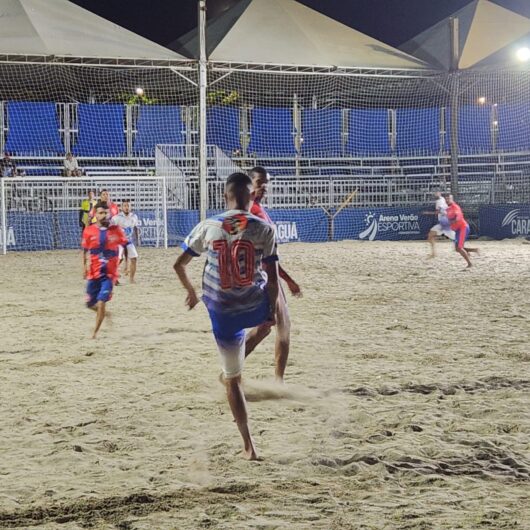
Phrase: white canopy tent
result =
(285, 32)
(485, 31)
(62, 29)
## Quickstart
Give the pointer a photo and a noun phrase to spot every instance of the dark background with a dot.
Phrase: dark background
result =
(390, 21)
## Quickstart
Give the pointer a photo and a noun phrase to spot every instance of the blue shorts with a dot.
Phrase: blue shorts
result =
(461, 236)
(226, 326)
(99, 290)
(229, 333)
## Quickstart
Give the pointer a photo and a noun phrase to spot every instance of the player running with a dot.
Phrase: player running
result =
(260, 181)
(461, 228)
(240, 285)
(101, 242)
(442, 227)
(128, 221)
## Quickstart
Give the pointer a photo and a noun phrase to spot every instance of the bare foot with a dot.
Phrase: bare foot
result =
(431, 256)
(250, 454)
(126, 272)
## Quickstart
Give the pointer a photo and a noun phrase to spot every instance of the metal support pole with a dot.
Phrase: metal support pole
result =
(164, 210)
(3, 213)
(203, 82)
(454, 107)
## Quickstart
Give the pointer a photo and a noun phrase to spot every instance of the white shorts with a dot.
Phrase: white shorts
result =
(131, 251)
(232, 355)
(441, 230)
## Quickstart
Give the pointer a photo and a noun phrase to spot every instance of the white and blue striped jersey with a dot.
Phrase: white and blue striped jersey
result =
(236, 243)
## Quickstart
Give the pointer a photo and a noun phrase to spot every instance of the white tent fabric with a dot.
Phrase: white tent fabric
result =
(58, 27)
(485, 29)
(286, 32)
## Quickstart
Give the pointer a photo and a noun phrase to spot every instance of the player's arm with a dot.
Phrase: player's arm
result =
(180, 268)
(271, 268)
(84, 246)
(293, 286)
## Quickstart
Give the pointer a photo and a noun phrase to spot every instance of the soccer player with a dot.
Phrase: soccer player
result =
(260, 181)
(101, 243)
(128, 221)
(240, 286)
(442, 227)
(104, 196)
(86, 206)
(461, 228)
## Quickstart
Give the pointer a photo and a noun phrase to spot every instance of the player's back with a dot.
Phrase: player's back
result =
(236, 242)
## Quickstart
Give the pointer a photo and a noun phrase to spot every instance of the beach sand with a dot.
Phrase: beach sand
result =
(406, 404)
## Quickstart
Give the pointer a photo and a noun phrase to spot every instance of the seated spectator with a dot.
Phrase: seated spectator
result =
(71, 167)
(237, 153)
(8, 168)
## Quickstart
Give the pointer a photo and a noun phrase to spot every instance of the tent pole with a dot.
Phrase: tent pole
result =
(203, 81)
(454, 89)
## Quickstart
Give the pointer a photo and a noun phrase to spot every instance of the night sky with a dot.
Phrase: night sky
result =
(390, 21)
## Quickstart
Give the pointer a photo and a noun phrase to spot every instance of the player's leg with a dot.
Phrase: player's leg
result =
(100, 316)
(255, 336)
(132, 254)
(103, 296)
(232, 356)
(431, 238)
(460, 239)
(283, 336)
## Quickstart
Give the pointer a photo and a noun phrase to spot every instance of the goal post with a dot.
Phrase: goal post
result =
(44, 213)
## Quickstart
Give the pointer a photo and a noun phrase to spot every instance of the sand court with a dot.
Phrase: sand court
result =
(406, 404)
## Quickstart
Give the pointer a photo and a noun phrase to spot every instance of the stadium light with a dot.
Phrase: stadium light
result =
(140, 91)
(481, 100)
(523, 54)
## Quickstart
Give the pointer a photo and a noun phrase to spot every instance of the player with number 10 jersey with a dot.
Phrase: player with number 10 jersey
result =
(240, 285)
(233, 284)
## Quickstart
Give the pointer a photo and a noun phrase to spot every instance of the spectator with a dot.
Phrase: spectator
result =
(71, 167)
(8, 168)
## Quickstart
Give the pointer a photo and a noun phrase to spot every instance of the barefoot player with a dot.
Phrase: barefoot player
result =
(240, 285)
(101, 243)
(461, 228)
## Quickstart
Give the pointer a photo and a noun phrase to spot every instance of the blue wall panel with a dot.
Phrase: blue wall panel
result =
(101, 130)
(368, 132)
(33, 130)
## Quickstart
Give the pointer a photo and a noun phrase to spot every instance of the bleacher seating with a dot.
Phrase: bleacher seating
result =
(368, 132)
(222, 128)
(158, 124)
(271, 132)
(418, 131)
(33, 129)
(101, 130)
(322, 132)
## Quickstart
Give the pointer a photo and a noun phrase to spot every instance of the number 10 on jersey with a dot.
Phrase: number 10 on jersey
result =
(236, 263)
